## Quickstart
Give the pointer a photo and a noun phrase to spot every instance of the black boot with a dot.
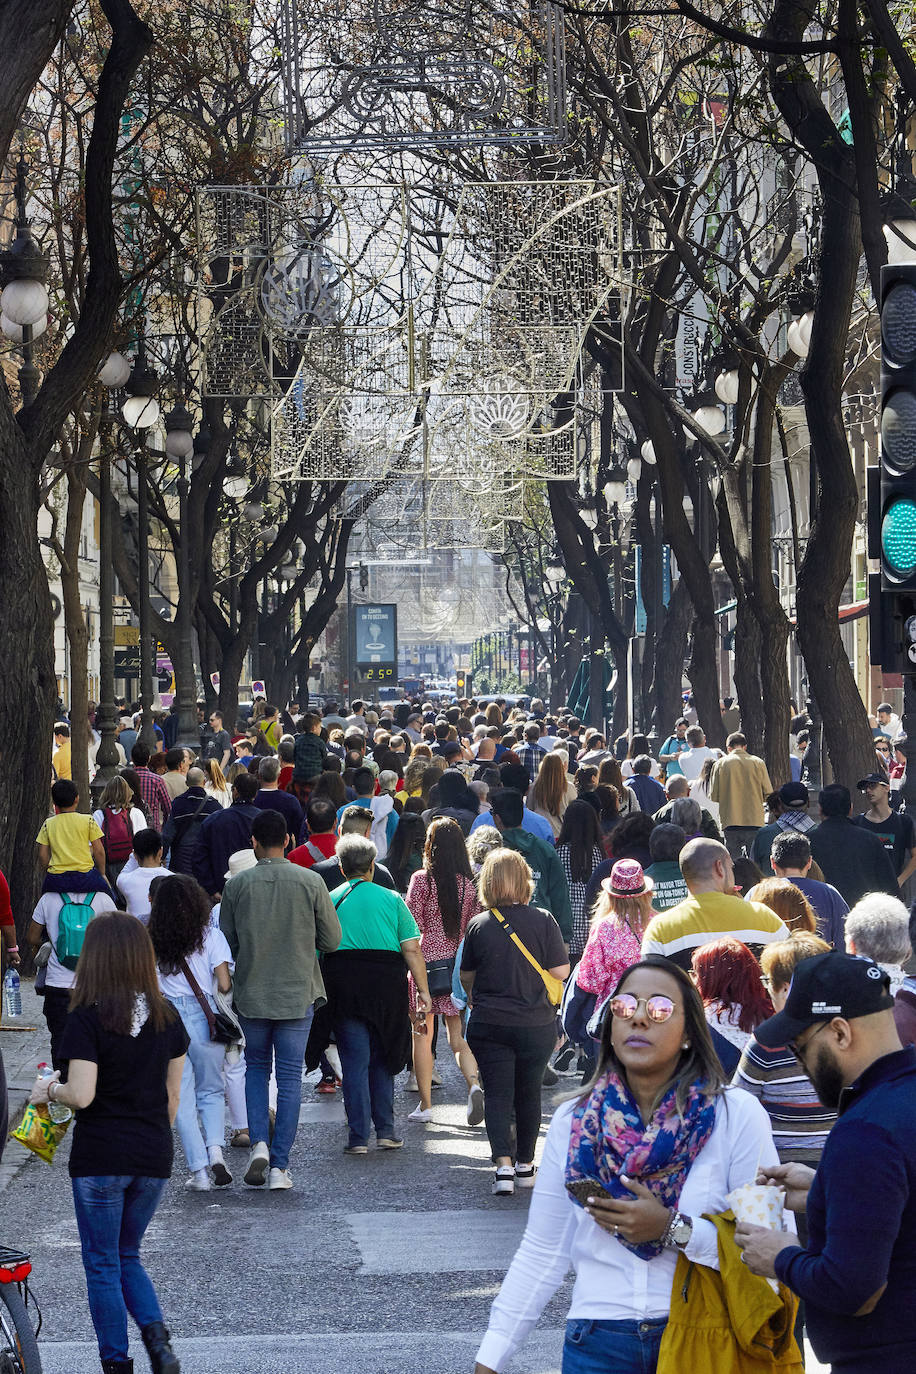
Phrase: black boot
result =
(162, 1357)
(117, 1367)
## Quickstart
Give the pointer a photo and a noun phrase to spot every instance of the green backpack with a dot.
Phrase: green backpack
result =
(71, 929)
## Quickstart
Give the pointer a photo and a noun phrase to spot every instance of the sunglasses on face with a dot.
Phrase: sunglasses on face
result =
(625, 1007)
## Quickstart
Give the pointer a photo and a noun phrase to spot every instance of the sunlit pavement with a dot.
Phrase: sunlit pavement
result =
(370, 1265)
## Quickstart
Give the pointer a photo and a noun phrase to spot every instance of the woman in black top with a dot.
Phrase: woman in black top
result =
(512, 1028)
(126, 1047)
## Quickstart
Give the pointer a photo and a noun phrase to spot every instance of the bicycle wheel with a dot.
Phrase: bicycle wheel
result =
(18, 1346)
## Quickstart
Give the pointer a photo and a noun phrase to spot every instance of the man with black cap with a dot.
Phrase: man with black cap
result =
(793, 798)
(857, 1275)
(895, 829)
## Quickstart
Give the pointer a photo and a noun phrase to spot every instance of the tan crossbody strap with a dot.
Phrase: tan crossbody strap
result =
(554, 986)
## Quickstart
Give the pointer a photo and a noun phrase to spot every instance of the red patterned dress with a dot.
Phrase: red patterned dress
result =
(424, 907)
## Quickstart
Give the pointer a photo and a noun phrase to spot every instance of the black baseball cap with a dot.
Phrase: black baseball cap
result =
(825, 986)
(870, 780)
(793, 794)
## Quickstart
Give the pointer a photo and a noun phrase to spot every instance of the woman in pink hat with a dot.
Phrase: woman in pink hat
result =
(621, 914)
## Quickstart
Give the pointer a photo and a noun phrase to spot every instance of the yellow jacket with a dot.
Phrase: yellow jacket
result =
(728, 1321)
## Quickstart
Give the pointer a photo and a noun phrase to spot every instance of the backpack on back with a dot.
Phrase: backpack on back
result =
(117, 835)
(71, 929)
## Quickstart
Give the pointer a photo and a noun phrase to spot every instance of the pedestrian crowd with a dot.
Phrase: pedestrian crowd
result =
(720, 970)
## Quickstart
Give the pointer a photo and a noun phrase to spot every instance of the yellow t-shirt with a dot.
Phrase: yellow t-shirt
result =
(70, 834)
(61, 760)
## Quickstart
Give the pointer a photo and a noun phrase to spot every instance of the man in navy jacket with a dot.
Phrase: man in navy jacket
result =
(225, 832)
(857, 1275)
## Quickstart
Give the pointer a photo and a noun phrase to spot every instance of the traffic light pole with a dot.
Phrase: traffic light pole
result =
(909, 744)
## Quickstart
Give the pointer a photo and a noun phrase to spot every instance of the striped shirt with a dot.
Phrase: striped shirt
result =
(706, 917)
(799, 1120)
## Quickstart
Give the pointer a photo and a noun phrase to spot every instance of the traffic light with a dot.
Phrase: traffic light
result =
(463, 682)
(896, 513)
(363, 578)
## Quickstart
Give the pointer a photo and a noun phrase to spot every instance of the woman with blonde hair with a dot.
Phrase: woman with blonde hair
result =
(493, 714)
(119, 819)
(216, 784)
(618, 923)
(512, 1027)
(788, 901)
(549, 794)
(413, 774)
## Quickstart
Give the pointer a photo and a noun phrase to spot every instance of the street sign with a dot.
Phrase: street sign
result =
(126, 634)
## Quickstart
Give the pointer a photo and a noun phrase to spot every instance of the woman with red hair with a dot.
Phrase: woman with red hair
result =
(728, 979)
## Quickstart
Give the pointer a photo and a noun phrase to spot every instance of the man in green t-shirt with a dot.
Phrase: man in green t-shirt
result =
(551, 890)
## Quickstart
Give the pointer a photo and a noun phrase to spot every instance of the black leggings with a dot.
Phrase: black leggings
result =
(512, 1060)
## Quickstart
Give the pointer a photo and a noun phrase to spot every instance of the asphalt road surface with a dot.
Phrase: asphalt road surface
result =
(383, 1264)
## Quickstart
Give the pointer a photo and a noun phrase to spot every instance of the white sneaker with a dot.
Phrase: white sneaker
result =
(199, 1182)
(475, 1105)
(418, 1114)
(412, 1083)
(525, 1175)
(504, 1183)
(221, 1175)
(279, 1178)
(436, 1080)
(258, 1161)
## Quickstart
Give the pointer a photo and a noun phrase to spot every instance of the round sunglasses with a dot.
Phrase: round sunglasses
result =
(658, 1008)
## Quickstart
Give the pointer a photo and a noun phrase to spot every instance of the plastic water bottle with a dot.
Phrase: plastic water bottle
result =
(12, 994)
(57, 1111)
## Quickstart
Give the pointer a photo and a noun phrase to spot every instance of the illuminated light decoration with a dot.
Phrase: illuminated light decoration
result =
(362, 75)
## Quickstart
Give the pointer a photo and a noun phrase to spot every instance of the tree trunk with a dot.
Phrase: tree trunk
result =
(671, 649)
(30, 688)
(703, 674)
(774, 680)
(77, 635)
(747, 675)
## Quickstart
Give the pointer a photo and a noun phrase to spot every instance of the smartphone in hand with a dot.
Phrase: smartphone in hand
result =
(584, 1188)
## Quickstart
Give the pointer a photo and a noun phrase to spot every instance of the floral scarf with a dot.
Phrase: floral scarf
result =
(608, 1138)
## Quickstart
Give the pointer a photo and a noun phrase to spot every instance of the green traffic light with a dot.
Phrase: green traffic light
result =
(898, 537)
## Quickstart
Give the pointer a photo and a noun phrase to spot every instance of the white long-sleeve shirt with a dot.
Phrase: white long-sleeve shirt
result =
(612, 1284)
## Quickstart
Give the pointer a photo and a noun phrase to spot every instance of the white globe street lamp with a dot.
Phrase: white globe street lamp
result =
(141, 409)
(114, 371)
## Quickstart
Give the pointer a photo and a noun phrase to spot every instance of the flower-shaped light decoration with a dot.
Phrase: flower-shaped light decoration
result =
(501, 410)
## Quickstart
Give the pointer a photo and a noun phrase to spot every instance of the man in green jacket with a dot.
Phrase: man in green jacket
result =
(276, 917)
(551, 889)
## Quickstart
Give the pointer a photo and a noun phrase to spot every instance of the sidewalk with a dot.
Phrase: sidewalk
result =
(23, 1050)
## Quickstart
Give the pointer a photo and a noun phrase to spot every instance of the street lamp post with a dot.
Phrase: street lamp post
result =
(179, 444)
(141, 411)
(24, 301)
(554, 573)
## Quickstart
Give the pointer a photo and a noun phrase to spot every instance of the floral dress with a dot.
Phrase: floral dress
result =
(424, 907)
(612, 947)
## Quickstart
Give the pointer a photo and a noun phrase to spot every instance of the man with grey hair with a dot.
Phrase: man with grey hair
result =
(878, 928)
(677, 788)
(354, 820)
(712, 911)
(368, 1006)
(270, 798)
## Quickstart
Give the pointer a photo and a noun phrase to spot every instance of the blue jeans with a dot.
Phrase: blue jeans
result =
(201, 1086)
(368, 1087)
(284, 1042)
(624, 1347)
(112, 1214)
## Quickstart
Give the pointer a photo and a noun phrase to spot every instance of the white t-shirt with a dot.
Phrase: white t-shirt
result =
(224, 798)
(201, 963)
(626, 768)
(136, 885)
(691, 760)
(47, 913)
(137, 819)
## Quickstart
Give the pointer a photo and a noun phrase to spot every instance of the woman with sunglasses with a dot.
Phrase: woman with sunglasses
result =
(629, 1169)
